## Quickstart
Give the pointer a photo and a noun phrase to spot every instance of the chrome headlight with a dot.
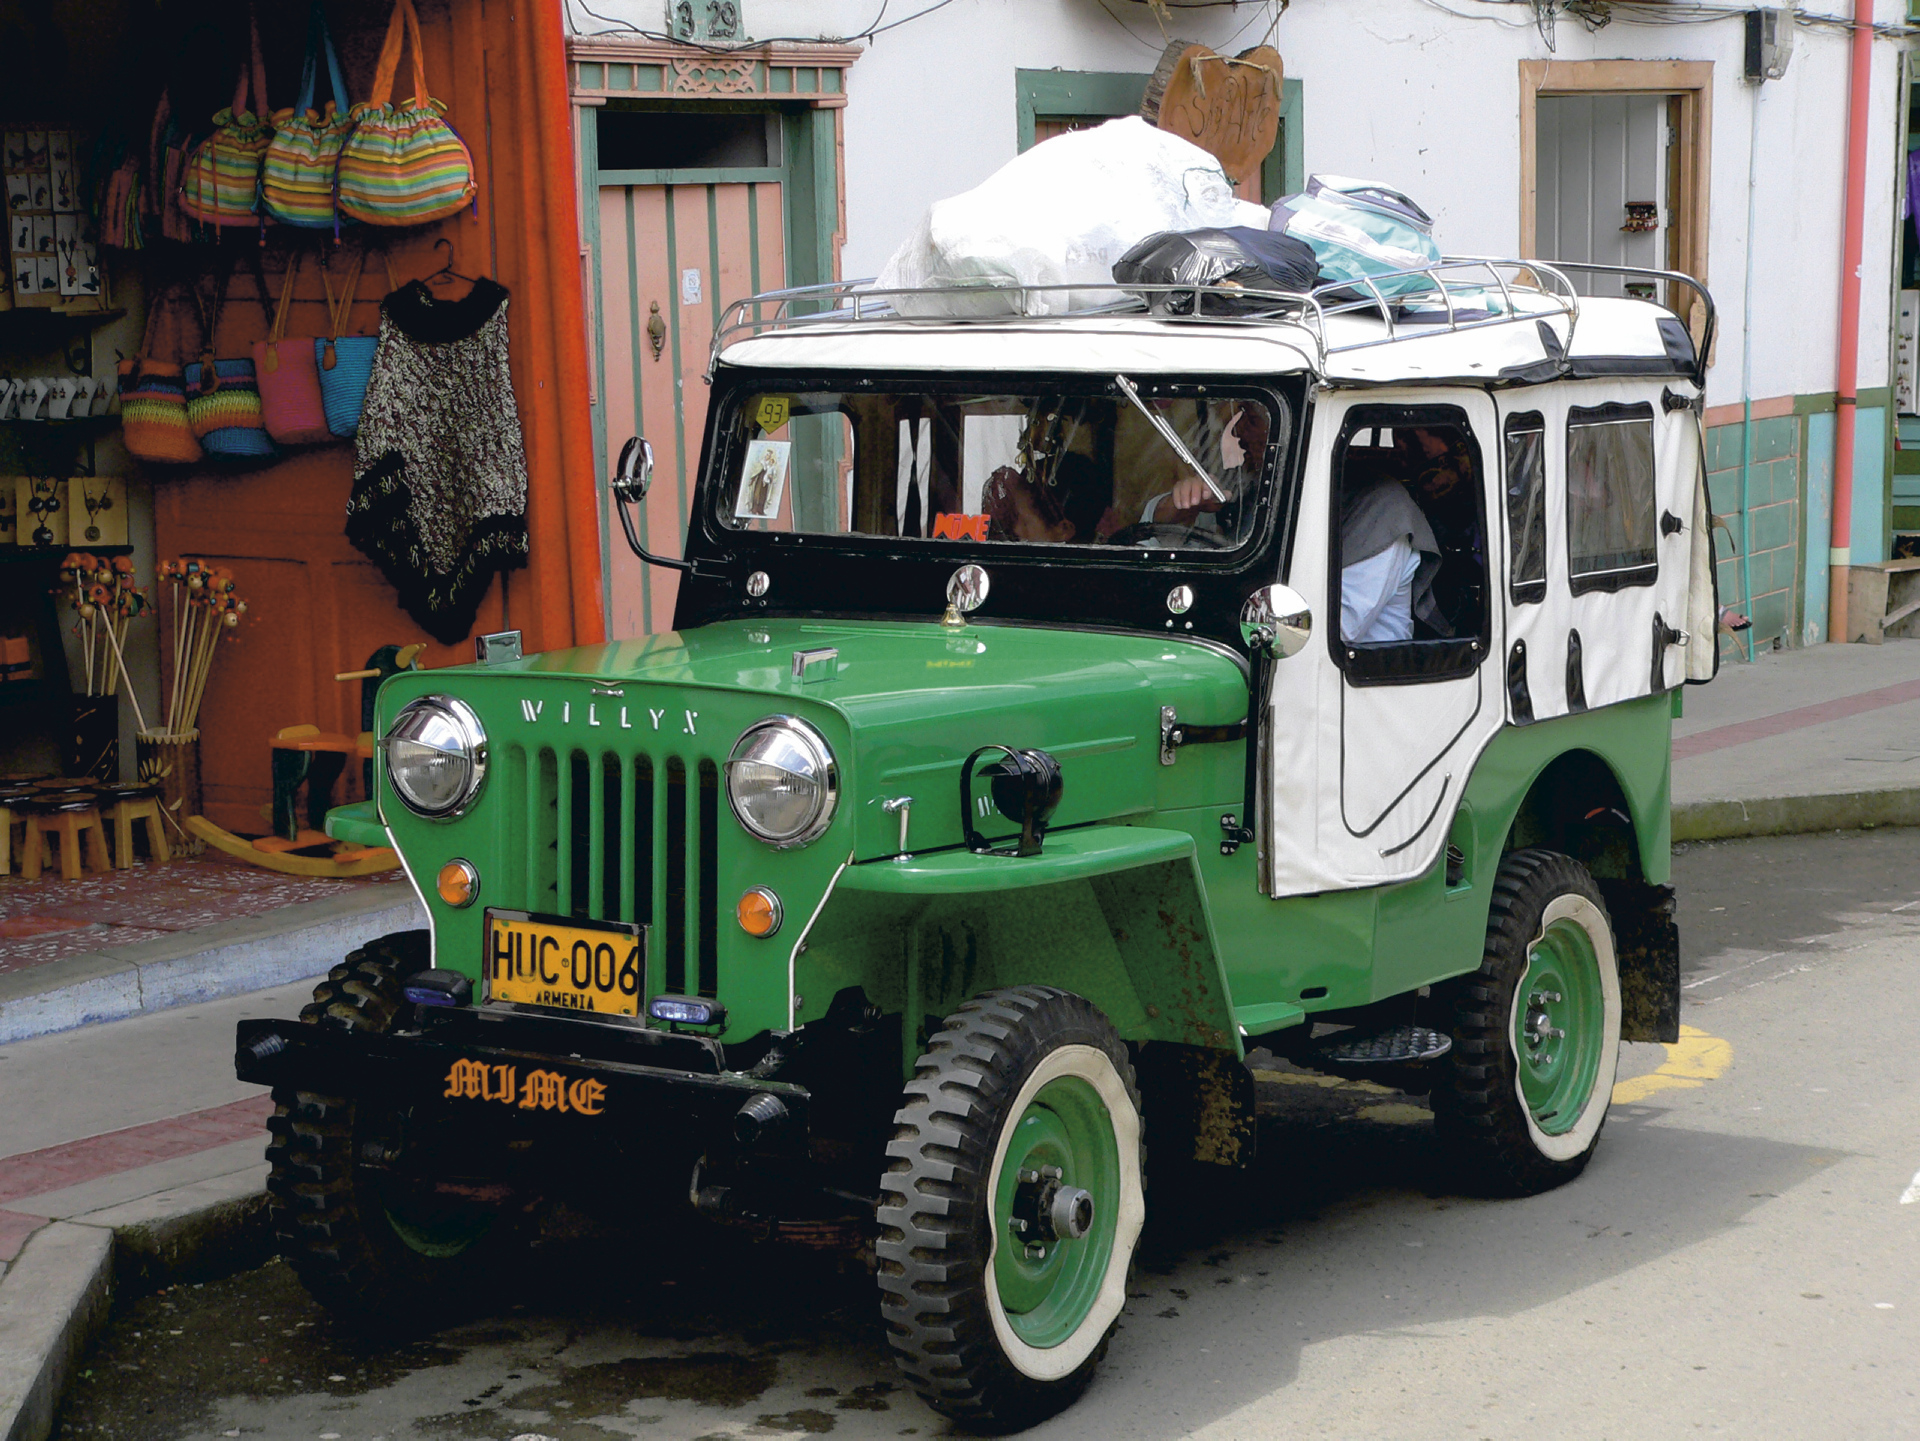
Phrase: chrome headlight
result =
(436, 756)
(782, 782)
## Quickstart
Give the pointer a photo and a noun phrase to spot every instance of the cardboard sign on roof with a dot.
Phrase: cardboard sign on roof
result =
(1227, 105)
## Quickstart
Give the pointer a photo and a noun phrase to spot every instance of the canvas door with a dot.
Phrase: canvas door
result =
(689, 250)
(1361, 780)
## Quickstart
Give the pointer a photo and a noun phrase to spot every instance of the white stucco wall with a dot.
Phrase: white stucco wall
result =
(1407, 91)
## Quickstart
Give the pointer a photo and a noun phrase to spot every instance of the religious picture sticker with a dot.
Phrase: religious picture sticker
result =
(763, 482)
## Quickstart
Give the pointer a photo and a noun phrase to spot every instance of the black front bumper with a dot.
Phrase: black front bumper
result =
(477, 1065)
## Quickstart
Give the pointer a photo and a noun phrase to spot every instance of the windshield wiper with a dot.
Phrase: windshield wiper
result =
(1166, 434)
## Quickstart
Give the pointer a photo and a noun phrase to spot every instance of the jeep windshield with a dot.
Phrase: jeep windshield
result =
(1094, 461)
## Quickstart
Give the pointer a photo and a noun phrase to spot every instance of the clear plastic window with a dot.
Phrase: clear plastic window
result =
(1411, 542)
(1039, 468)
(1612, 533)
(1526, 436)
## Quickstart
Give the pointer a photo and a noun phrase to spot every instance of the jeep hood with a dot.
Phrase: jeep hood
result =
(904, 704)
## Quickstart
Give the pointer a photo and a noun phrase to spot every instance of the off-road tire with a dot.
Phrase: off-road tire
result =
(936, 1252)
(328, 1218)
(1480, 1105)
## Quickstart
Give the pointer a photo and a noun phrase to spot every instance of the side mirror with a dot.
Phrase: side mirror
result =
(635, 472)
(1276, 619)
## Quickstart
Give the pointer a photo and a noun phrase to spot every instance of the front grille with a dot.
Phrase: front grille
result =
(607, 837)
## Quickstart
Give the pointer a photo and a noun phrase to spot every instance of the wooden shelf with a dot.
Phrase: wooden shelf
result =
(18, 316)
(27, 554)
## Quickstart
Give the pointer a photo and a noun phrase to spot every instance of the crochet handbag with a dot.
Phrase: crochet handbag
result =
(344, 362)
(289, 377)
(296, 180)
(221, 183)
(403, 164)
(223, 396)
(153, 399)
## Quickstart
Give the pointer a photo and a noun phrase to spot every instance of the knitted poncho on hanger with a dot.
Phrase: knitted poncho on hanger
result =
(440, 476)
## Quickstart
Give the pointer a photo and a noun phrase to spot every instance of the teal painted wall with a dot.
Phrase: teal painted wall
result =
(1768, 526)
(1789, 501)
(1870, 470)
(1819, 508)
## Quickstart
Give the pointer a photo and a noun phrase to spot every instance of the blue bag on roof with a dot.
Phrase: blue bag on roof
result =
(1360, 228)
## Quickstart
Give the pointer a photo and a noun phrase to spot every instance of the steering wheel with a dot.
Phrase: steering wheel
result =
(1153, 535)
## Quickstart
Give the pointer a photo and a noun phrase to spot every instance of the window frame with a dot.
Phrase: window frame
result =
(1531, 591)
(1612, 412)
(1405, 662)
(1060, 94)
(1689, 83)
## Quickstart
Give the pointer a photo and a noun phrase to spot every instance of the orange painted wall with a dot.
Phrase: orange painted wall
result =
(317, 606)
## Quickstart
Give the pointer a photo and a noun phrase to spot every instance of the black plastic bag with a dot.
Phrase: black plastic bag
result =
(1236, 257)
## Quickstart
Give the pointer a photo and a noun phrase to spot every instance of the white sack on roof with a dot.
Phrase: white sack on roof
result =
(1061, 214)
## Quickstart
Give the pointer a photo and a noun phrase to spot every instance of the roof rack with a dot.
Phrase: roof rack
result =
(1414, 303)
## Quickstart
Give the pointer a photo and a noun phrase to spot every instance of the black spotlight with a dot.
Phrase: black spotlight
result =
(1025, 786)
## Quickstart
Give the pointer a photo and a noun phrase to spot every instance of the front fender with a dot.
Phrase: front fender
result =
(1117, 914)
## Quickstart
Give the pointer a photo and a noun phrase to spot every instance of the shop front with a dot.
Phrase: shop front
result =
(222, 417)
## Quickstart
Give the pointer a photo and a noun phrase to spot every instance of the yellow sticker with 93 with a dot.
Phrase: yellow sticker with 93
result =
(773, 412)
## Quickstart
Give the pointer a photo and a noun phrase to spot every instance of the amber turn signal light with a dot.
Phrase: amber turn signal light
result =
(458, 883)
(759, 912)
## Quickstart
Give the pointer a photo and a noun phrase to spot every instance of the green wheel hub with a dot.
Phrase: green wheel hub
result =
(436, 1228)
(1559, 1015)
(1063, 1145)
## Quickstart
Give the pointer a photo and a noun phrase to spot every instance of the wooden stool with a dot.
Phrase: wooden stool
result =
(123, 813)
(71, 821)
(29, 842)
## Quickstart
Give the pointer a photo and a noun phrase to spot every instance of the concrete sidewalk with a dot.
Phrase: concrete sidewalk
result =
(1826, 738)
(149, 1173)
(109, 946)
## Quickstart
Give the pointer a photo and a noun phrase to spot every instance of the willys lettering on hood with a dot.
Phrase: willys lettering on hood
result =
(903, 704)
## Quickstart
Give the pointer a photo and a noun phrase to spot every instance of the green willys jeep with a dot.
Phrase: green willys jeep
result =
(1060, 702)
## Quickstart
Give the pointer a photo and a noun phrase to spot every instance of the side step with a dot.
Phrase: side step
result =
(1400, 1046)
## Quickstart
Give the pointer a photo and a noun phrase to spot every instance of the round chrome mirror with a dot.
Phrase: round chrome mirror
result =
(635, 471)
(1276, 617)
(1180, 599)
(968, 588)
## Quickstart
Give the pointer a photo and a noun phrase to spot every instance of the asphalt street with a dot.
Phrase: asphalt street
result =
(1736, 1261)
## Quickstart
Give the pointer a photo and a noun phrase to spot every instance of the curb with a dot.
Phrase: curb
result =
(59, 1291)
(1795, 815)
(291, 944)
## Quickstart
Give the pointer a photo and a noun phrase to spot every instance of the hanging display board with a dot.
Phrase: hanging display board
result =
(52, 259)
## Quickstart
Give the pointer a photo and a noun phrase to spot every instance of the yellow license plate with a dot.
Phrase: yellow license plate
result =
(570, 965)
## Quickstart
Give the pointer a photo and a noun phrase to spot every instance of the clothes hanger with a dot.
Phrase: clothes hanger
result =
(446, 274)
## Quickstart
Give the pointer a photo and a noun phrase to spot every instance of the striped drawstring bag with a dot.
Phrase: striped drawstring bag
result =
(221, 182)
(403, 164)
(296, 182)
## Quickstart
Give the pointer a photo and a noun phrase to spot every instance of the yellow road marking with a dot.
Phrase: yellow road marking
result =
(1693, 1060)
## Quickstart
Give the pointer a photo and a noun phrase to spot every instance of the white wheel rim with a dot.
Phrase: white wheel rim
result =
(1093, 1066)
